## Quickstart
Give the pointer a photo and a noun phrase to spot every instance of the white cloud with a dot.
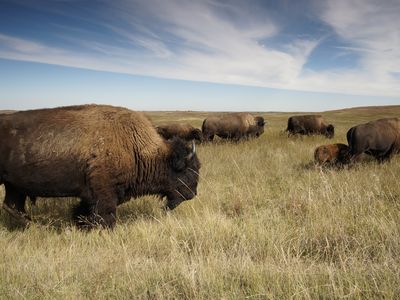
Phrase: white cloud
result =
(21, 45)
(230, 43)
(372, 28)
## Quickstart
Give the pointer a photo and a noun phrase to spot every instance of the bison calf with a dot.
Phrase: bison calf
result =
(332, 154)
(102, 154)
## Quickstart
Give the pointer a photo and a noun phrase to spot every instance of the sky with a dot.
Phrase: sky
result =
(208, 55)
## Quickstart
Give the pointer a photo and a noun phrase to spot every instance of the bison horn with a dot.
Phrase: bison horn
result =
(193, 150)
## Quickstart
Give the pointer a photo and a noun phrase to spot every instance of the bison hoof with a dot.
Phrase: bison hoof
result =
(20, 216)
(93, 221)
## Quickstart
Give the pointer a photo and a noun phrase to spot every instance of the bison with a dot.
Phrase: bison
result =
(184, 131)
(235, 126)
(332, 155)
(309, 124)
(379, 138)
(102, 154)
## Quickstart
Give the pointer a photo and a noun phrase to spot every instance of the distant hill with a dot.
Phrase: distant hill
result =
(379, 109)
(7, 111)
(368, 109)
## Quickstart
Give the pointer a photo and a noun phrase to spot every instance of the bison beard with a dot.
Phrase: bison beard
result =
(102, 154)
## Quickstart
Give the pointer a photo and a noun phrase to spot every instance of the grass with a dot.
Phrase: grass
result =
(265, 224)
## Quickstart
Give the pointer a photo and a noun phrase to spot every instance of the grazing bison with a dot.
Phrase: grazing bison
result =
(379, 138)
(310, 124)
(235, 126)
(102, 154)
(184, 131)
(332, 154)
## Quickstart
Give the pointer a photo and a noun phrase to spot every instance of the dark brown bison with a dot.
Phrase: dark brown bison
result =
(379, 138)
(235, 126)
(102, 154)
(332, 154)
(183, 131)
(309, 124)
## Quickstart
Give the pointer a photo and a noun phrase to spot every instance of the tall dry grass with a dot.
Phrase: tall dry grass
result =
(265, 224)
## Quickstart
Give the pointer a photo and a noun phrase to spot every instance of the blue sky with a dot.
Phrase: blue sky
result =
(211, 55)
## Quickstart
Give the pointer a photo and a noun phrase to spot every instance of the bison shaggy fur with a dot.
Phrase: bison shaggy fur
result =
(310, 124)
(379, 138)
(182, 130)
(102, 154)
(235, 126)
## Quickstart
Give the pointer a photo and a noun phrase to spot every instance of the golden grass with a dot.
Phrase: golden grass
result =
(265, 224)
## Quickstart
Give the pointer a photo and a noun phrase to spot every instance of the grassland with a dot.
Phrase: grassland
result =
(266, 224)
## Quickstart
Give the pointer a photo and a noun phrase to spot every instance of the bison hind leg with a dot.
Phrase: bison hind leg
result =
(388, 154)
(383, 158)
(14, 203)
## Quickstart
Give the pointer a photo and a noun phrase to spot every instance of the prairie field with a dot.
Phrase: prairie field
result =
(266, 224)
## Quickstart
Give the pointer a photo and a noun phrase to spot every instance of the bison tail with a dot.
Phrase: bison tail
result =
(289, 125)
(206, 135)
(356, 146)
(350, 139)
(203, 126)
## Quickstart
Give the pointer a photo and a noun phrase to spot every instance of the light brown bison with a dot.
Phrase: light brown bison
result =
(184, 131)
(235, 126)
(379, 138)
(310, 124)
(102, 154)
(332, 154)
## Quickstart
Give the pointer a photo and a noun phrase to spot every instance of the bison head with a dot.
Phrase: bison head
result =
(330, 131)
(196, 134)
(260, 121)
(257, 129)
(183, 173)
(260, 125)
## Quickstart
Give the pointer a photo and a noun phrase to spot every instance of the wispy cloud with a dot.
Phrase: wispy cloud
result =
(21, 45)
(372, 29)
(227, 43)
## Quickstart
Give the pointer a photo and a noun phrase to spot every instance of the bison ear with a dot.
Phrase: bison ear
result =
(181, 154)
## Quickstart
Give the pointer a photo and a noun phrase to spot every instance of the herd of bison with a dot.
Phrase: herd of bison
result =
(106, 155)
(379, 138)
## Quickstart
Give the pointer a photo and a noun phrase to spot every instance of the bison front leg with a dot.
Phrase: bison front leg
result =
(81, 213)
(235, 136)
(99, 199)
(97, 210)
(99, 202)
(90, 213)
(105, 211)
